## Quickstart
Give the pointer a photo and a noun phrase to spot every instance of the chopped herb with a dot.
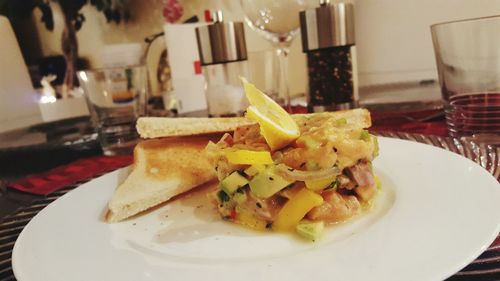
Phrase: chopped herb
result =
(334, 184)
(223, 197)
(365, 135)
(258, 205)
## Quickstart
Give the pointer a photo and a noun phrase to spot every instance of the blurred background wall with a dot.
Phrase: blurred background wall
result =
(393, 36)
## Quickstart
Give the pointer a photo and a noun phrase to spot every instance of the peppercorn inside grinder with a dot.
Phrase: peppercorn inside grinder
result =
(328, 41)
(223, 56)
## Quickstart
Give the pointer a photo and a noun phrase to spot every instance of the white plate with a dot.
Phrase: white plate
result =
(438, 211)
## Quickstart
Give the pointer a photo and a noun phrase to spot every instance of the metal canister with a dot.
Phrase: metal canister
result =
(329, 43)
(223, 55)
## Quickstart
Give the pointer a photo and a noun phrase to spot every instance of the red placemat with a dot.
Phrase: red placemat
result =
(402, 122)
(83, 169)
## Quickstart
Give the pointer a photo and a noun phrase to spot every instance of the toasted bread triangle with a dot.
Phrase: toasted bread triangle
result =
(163, 168)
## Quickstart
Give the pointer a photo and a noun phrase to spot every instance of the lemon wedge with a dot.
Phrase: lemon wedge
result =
(276, 125)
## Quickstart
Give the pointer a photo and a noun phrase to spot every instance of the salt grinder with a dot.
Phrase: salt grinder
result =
(328, 41)
(223, 56)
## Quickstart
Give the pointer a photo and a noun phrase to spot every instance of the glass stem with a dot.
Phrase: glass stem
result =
(284, 90)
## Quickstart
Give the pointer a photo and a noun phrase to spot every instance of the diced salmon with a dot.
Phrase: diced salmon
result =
(362, 174)
(323, 156)
(365, 192)
(335, 208)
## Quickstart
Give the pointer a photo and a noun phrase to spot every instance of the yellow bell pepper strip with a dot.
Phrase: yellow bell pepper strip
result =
(296, 208)
(248, 157)
(317, 185)
(254, 169)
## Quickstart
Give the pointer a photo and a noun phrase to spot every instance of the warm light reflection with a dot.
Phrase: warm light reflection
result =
(48, 99)
(83, 76)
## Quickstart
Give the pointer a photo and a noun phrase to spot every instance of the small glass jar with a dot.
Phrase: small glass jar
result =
(225, 95)
(223, 56)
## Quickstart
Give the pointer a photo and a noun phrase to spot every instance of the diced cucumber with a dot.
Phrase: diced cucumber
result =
(341, 122)
(232, 182)
(311, 143)
(254, 169)
(365, 135)
(378, 183)
(310, 230)
(266, 183)
(240, 198)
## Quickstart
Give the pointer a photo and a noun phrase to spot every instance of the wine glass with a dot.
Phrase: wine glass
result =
(278, 22)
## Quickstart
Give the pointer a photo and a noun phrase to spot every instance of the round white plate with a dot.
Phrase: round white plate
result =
(436, 213)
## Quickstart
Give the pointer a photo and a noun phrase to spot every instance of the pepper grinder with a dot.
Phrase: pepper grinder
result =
(328, 41)
(223, 56)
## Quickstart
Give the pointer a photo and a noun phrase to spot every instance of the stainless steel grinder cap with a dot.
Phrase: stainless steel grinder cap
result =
(329, 25)
(221, 42)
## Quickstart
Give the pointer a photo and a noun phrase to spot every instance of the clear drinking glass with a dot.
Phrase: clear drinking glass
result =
(278, 22)
(116, 97)
(264, 68)
(468, 61)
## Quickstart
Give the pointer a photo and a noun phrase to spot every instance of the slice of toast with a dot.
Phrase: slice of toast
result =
(163, 168)
(157, 127)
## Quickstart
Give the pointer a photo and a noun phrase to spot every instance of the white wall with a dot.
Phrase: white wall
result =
(393, 36)
(17, 96)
